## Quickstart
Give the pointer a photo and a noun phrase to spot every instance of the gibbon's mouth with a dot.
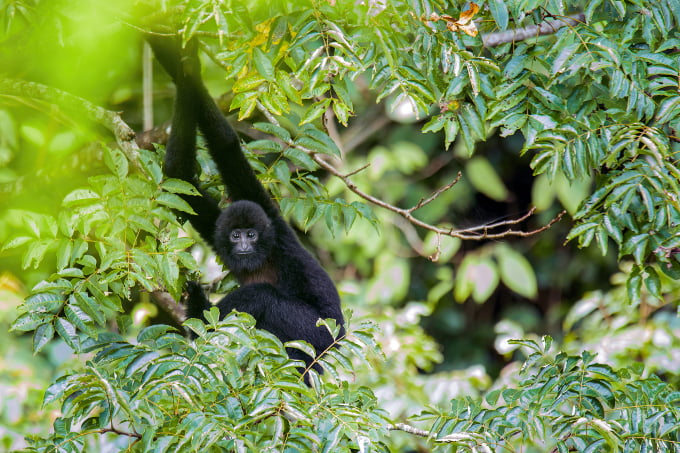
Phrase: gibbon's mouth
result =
(244, 253)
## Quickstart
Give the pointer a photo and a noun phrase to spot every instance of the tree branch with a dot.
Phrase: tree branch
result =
(467, 437)
(125, 137)
(436, 194)
(169, 305)
(520, 34)
(409, 429)
(481, 232)
(117, 431)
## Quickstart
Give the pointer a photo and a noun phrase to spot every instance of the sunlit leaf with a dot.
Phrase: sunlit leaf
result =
(516, 272)
(485, 179)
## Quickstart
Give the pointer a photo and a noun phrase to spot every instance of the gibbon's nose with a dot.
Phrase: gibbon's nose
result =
(243, 247)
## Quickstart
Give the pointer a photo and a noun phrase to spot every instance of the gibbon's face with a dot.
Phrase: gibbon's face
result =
(243, 240)
(244, 237)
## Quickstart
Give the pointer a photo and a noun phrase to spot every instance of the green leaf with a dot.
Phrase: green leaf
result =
(175, 202)
(342, 112)
(349, 215)
(485, 276)
(248, 83)
(179, 186)
(653, 282)
(264, 146)
(56, 390)
(282, 172)
(274, 103)
(140, 361)
(64, 254)
(80, 197)
(582, 229)
(33, 135)
(79, 319)
(35, 253)
(563, 57)
(71, 272)
(263, 64)
(67, 332)
(42, 336)
(315, 111)
(516, 272)
(436, 123)
(613, 230)
(637, 245)
(142, 223)
(90, 306)
(515, 66)
(634, 286)
(485, 179)
(464, 281)
(273, 129)
(302, 346)
(327, 145)
(285, 83)
(17, 242)
(116, 161)
(499, 11)
(668, 110)
(451, 131)
(45, 302)
(300, 158)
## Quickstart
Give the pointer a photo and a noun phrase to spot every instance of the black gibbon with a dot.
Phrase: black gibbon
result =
(281, 285)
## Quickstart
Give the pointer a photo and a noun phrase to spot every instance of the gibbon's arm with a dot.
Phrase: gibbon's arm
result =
(194, 104)
(180, 162)
(180, 152)
(225, 149)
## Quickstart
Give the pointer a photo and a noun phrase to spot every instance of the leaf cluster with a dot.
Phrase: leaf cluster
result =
(232, 389)
(564, 403)
(299, 193)
(105, 244)
(596, 98)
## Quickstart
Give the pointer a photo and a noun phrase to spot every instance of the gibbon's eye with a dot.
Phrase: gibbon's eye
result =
(252, 234)
(235, 235)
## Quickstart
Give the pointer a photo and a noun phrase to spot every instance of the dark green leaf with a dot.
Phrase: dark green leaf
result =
(30, 321)
(652, 282)
(67, 332)
(42, 336)
(175, 202)
(499, 11)
(179, 187)
(263, 64)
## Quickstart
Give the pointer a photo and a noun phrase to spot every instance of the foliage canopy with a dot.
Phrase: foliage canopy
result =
(595, 102)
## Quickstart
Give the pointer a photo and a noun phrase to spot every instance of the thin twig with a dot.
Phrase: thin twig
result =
(475, 233)
(115, 430)
(358, 170)
(491, 226)
(436, 194)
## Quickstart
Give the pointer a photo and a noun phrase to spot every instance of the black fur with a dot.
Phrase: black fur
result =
(281, 285)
